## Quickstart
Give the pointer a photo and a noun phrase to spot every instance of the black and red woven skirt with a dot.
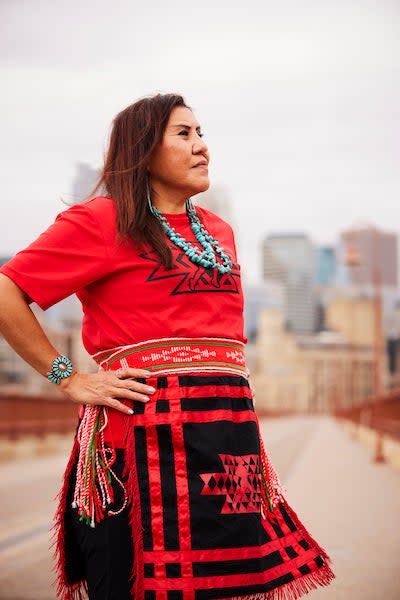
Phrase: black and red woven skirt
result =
(206, 512)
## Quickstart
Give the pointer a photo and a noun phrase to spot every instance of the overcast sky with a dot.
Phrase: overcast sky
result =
(299, 101)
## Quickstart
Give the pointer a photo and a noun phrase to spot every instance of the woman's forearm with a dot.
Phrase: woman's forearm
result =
(23, 332)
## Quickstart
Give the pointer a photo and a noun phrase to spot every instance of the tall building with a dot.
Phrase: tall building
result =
(375, 252)
(326, 265)
(290, 259)
(375, 249)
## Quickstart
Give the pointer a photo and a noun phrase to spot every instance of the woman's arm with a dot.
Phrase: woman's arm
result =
(23, 332)
(21, 329)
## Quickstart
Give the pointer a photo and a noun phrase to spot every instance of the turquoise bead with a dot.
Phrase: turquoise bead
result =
(207, 257)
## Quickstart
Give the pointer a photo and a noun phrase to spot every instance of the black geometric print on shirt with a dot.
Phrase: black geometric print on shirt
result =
(192, 278)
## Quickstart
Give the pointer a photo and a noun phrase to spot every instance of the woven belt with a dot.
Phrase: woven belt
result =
(176, 355)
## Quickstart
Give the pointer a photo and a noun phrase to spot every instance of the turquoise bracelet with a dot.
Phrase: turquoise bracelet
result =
(62, 368)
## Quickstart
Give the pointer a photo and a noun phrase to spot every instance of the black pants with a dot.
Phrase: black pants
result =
(107, 549)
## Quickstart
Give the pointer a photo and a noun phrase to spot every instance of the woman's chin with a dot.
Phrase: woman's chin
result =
(201, 186)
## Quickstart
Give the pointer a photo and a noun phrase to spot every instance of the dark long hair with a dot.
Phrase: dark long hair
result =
(136, 131)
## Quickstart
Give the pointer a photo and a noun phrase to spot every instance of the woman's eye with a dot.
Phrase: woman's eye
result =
(184, 131)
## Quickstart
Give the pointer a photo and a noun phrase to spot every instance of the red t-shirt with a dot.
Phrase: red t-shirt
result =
(127, 295)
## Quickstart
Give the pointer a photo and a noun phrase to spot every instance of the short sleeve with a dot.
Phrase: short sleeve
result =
(66, 257)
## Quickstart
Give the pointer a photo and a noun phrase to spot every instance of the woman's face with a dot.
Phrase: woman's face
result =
(173, 163)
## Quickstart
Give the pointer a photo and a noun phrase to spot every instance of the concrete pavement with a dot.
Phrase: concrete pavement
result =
(352, 507)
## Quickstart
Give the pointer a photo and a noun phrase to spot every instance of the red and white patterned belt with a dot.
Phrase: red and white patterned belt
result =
(176, 355)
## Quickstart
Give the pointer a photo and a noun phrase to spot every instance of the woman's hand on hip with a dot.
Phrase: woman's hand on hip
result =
(107, 388)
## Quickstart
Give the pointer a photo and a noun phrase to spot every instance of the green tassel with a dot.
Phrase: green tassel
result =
(103, 464)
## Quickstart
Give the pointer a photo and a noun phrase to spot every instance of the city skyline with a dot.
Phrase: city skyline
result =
(302, 130)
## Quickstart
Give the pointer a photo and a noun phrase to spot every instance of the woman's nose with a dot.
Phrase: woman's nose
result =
(200, 145)
(202, 150)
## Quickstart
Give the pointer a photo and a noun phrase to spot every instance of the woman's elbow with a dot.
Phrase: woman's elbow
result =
(9, 288)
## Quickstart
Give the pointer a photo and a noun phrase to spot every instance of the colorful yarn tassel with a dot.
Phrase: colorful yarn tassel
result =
(93, 489)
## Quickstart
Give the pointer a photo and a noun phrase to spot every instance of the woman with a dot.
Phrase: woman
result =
(168, 493)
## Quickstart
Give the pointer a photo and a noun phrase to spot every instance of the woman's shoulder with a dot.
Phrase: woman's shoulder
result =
(103, 211)
(101, 206)
(93, 218)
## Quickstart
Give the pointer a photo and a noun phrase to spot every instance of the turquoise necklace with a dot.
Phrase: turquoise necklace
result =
(206, 257)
